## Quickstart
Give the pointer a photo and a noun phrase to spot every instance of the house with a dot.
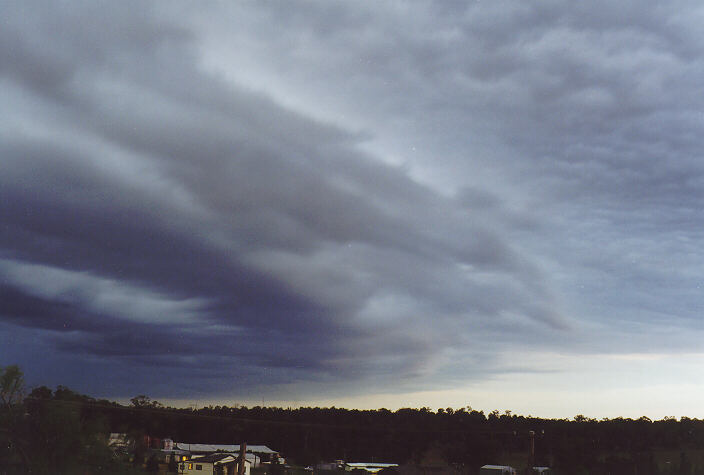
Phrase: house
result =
(164, 451)
(497, 470)
(164, 456)
(256, 454)
(217, 463)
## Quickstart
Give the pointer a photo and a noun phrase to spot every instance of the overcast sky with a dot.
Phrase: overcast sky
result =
(490, 203)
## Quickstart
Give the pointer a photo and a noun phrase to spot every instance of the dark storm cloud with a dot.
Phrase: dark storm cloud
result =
(338, 192)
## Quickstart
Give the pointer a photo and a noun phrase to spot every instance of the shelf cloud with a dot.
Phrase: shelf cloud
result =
(345, 197)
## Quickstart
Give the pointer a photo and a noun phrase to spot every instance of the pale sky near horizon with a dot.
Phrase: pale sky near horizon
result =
(367, 204)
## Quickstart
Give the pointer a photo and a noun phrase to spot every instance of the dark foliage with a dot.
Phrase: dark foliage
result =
(56, 423)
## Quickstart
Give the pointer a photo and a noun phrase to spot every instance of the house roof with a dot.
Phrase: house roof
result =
(256, 449)
(370, 464)
(249, 458)
(259, 449)
(214, 458)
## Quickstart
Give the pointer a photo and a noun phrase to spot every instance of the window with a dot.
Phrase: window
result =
(199, 467)
(190, 466)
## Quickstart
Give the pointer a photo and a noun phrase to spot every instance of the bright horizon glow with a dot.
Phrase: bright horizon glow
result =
(605, 386)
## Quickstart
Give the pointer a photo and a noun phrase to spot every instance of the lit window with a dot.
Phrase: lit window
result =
(190, 466)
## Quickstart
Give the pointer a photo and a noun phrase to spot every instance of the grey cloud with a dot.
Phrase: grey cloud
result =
(526, 135)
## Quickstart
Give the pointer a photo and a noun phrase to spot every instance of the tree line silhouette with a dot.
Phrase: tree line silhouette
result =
(55, 431)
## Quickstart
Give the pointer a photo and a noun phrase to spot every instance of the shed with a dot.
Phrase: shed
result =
(497, 470)
(371, 467)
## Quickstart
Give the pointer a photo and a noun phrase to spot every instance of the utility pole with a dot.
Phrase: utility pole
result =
(241, 460)
(531, 462)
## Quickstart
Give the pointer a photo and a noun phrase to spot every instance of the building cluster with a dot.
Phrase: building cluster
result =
(204, 459)
(168, 457)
